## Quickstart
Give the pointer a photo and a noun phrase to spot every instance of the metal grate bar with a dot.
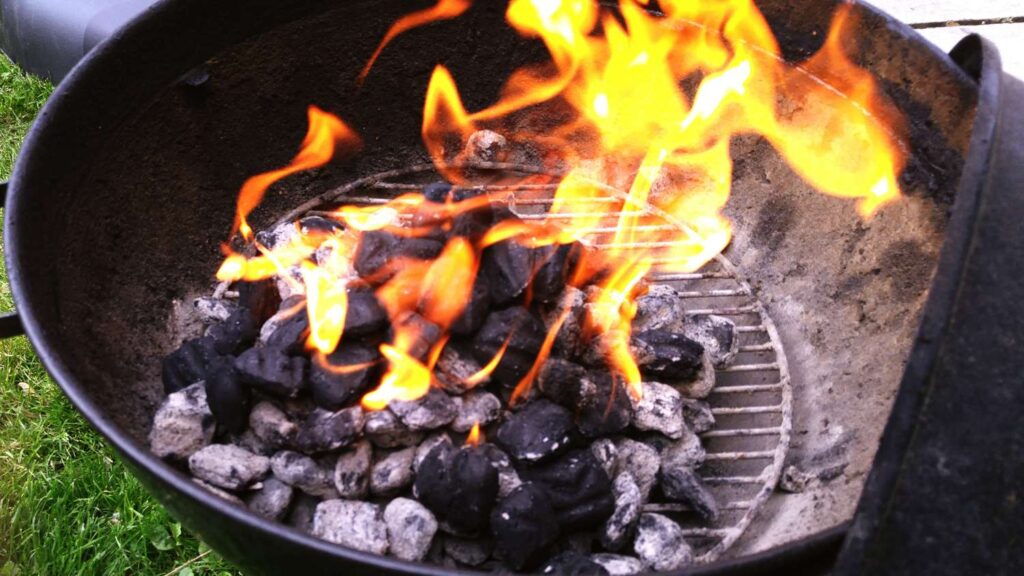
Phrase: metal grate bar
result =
(732, 311)
(751, 455)
(678, 276)
(750, 367)
(750, 329)
(746, 388)
(747, 410)
(742, 432)
(766, 347)
(733, 480)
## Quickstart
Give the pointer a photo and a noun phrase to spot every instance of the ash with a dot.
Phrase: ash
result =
(577, 475)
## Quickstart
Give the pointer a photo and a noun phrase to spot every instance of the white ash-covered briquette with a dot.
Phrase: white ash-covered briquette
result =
(182, 425)
(619, 527)
(716, 334)
(304, 473)
(618, 564)
(411, 528)
(271, 425)
(271, 500)
(660, 408)
(660, 544)
(323, 431)
(640, 460)
(475, 407)
(228, 466)
(352, 471)
(357, 525)
(392, 472)
(385, 430)
(433, 410)
(659, 309)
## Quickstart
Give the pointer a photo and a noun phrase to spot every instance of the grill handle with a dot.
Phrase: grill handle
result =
(10, 323)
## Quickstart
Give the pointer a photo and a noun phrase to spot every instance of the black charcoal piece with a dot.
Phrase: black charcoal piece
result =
(291, 333)
(271, 500)
(572, 563)
(311, 224)
(561, 381)
(509, 267)
(438, 192)
(579, 489)
(273, 371)
(260, 298)
(187, 365)
(236, 333)
(364, 315)
(455, 367)
(524, 526)
(228, 397)
(605, 406)
(302, 511)
(508, 477)
(668, 356)
(697, 415)
(378, 247)
(539, 430)
(426, 333)
(527, 336)
(476, 310)
(349, 370)
(323, 430)
(684, 485)
(459, 485)
(554, 272)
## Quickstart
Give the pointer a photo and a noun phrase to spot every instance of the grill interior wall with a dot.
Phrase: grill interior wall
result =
(149, 200)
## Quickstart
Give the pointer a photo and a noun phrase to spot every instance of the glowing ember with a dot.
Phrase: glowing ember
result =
(634, 128)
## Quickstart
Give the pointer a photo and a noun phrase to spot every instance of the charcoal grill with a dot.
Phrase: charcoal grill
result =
(136, 159)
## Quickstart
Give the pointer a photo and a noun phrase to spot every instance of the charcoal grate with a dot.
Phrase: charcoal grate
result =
(752, 397)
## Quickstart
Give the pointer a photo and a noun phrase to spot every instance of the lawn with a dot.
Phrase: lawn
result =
(67, 505)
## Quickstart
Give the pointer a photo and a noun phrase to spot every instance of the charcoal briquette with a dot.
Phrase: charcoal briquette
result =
(476, 310)
(379, 247)
(236, 333)
(578, 487)
(553, 273)
(364, 315)
(524, 526)
(349, 370)
(605, 405)
(666, 355)
(425, 333)
(682, 484)
(187, 365)
(523, 330)
(290, 334)
(459, 485)
(228, 397)
(260, 298)
(323, 430)
(509, 267)
(572, 563)
(539, 430)
(272, 371)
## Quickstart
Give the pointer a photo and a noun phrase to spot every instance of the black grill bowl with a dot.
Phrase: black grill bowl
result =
(126, 185)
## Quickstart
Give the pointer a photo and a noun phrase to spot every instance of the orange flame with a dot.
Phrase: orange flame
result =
(641, 108)
(475, 437)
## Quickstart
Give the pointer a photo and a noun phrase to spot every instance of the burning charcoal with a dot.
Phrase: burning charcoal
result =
(392, 472)
(459, 485)
(664, 355)
(411, 529)
(290, 331)
(562, 381)
(659, 309)
(303, 473)
(553, 274)
(227, 466)
(357, 525)
(641, 461)
(278, 236)
(660, 544)
(260, 298)
(349, 370)
(527, 336)
(323, 431)
(352, 471)
(618, 565)
(660, 409)
(605, 406)
(571, 563)
(219, 492)
(477, 407)
(697, 415)
(272, 425)
(427, 445)
(524, 526)
(683, 485)
(486, 146)
(272, 500)
(385, 430)
(703, 383)
(272, 371)
(377, 248)
(237, 332)
(469, 551)
(292, 310)
(539, 430)
(686, 452)
(578, 488)
(618, 530)
(508, 477)
(606, 454)
(364, 315)
(187, 365)
(570, 341)
(433, 410)
(716, 334)
(476, 310)
(213, 310)
(303, 510)
(182, 425)
(509, 268)
(427, 334)
(228, 398)
(454, 367)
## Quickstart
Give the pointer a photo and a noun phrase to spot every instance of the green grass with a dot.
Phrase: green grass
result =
(67, 505)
